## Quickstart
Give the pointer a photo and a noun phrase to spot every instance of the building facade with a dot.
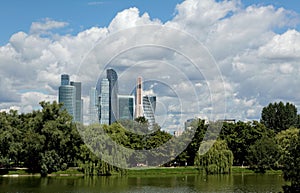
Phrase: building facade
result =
(112, 78)
(93, 106)
(67, 96)
(139, 112)
(78, 102)
(104, 112)
(149, 106)
(126, 107)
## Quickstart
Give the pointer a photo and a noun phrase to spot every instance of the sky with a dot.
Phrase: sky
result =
(202, 58)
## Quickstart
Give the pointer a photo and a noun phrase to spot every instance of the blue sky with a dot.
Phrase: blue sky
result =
(17, 15)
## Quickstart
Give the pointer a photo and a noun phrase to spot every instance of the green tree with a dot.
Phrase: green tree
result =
(217, 160)
(240, 136)
(288, 143)
(263, 155)
(279, 116)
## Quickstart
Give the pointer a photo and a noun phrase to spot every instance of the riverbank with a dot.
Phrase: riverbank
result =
(138, 171)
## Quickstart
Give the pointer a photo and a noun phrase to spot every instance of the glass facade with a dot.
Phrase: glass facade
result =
(149, 106)
(113, 95)
(104, 111)
(79, 102)
(65, 79)
(126, 107)
(93, 106)
(67, 96)
(69, 93)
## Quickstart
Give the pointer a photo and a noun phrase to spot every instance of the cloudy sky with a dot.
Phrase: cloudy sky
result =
(202, 58)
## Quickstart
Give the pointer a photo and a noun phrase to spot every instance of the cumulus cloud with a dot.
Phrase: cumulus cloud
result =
(46, 25)
(257, 64)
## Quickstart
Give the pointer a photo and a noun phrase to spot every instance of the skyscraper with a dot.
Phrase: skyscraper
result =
(67, 96)
(126, 107)
(112, 78)
(104, 104)
(149, 105)
(79, 102)
(139, 102)
(93, 106)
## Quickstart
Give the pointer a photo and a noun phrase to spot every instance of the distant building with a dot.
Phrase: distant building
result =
(112, 78)
(126, 107)
(139, 112)
(93, 106)
(149, 106)
(104, 103)
(79, 102)
(70, 96)
(178, 133)
(227, 120)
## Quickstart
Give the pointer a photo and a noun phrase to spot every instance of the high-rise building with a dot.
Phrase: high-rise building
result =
(139, 102)
(126, 107)
(79, 102)
(104, 104)
(149, 106)
(112, 78)
(93, 106)
(67, 96)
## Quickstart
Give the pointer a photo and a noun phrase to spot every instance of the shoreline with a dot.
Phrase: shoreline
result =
(141, 171)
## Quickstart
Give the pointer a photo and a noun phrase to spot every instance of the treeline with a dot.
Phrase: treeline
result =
(47, 141)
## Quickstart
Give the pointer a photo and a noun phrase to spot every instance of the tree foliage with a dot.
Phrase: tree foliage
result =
(263, 155)
(217, 160)
(279, 116)
(289, 149)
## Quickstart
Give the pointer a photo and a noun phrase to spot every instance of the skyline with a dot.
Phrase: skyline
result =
(256, 48)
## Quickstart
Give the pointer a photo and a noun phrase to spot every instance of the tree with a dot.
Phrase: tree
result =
(263, 155)
(217, 160)
(240, 136)
(289, 146)
(279, 116)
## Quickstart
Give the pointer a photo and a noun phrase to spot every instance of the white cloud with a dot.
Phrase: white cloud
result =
(283, 47)
(258, 65)
(46, 25)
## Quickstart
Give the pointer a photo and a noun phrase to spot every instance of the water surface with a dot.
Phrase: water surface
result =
(145, 184)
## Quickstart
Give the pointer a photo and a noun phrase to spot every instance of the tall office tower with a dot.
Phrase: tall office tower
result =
(67, 96)
(93, 106)
(113, 95)
(139, 102)
(149, 105)
(104, 104)
(79, 102)
(126, 107)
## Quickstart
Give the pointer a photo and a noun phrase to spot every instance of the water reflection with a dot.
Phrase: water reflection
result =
(157, 184)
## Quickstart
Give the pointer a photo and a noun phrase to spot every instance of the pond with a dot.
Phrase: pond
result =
(145, 184)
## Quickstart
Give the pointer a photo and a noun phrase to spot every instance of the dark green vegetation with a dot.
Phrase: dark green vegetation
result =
(46, 141)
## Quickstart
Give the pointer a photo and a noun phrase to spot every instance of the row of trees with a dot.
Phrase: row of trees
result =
(47, 141)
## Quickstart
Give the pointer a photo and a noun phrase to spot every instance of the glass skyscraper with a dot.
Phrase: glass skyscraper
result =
(104, 104)
(93, 106)
(112, 78)
(79, 102)
(149, 106)
(126, 107)
(67, 96)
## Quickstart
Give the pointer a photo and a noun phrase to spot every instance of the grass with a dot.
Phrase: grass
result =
(141, 171)
(162, 171)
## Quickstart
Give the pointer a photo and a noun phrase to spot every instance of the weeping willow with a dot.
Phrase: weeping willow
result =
(217, 160)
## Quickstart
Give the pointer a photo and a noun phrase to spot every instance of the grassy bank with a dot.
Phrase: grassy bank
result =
(141, 171)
